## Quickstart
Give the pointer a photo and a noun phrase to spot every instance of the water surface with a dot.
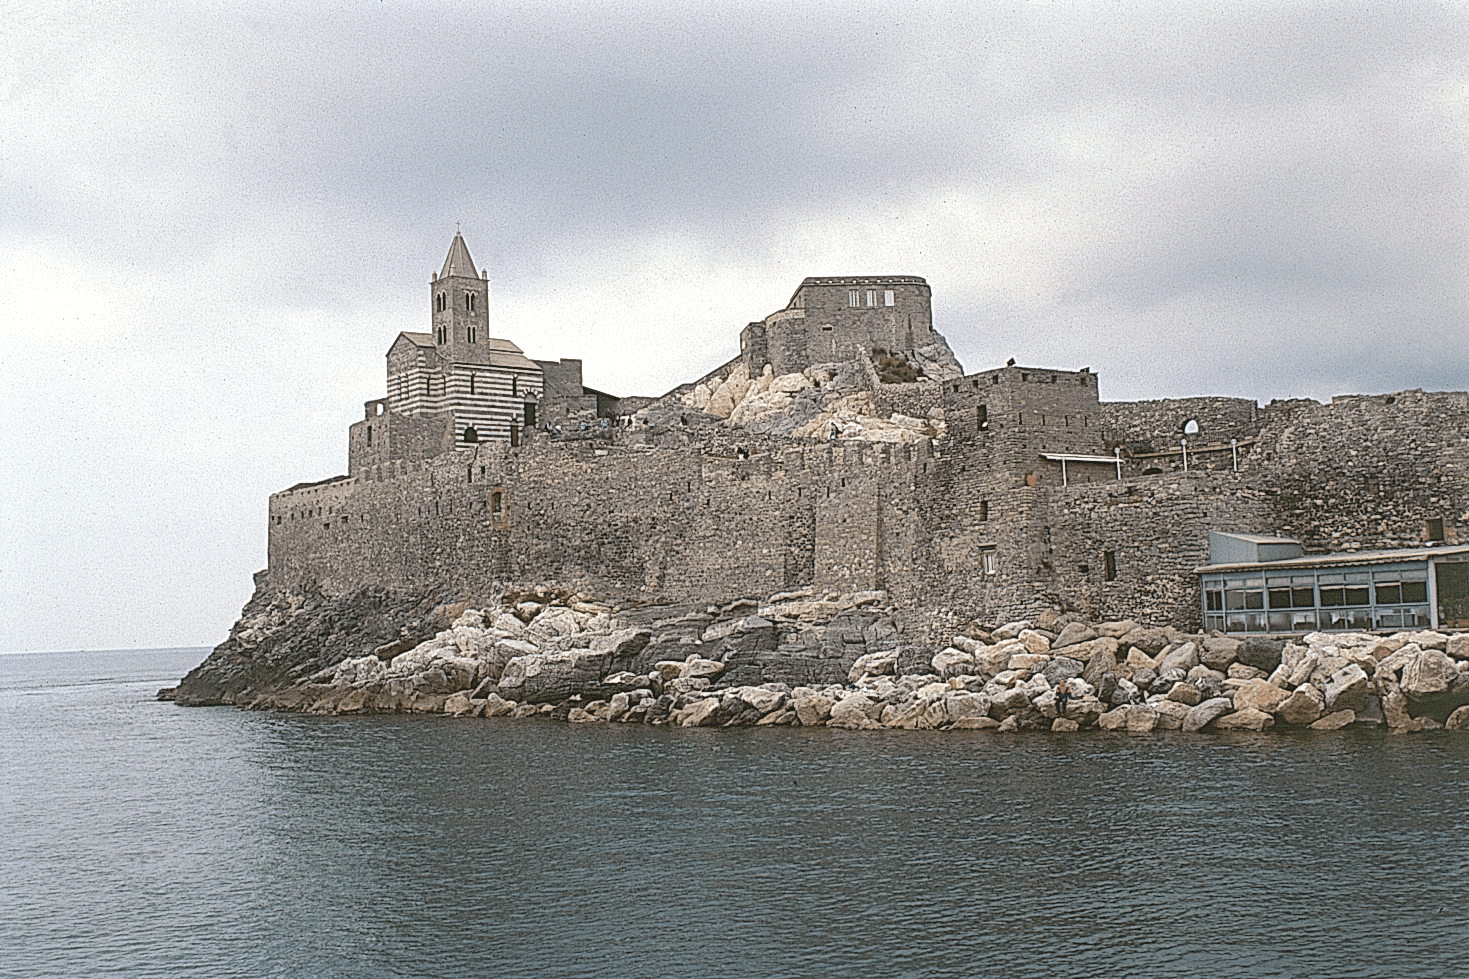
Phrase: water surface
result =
(147, 839)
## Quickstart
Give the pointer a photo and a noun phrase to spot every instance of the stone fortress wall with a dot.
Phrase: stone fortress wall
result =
(977, 523)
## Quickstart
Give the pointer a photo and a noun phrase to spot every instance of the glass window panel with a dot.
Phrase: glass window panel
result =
(1255, 599)
(1280, 598)
(1303, 597)
(1255, 622)
(1280, 621)
(1214, 601)
(1333, 620)
(1276, 580)
(1233, 582)
(1358, 596)
(1212, 622)
(1416, 616)
(1415, 591)
(1303, 621)
(1413, 575)
(1332, 597)
(1389, 618)
(1234, 598)
(1389, 594)
(1358, 618)
(1234, 622)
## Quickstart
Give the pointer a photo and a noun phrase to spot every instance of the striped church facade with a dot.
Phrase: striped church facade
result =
(453, 387)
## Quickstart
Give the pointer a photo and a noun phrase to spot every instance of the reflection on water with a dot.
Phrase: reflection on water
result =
(154, 840)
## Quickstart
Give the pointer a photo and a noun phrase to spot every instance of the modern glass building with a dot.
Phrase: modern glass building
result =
(1257, 584)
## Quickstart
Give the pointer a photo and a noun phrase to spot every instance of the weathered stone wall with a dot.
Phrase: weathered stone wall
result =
(820, 321)
(386, 437)
(1157, 426)
(1368, 471)
(972, 525)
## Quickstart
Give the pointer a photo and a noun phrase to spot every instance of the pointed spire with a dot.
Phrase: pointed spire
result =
(459, 262)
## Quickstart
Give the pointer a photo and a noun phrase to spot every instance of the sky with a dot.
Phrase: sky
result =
(215, 218)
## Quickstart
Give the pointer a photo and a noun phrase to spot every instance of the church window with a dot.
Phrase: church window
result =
(442, 334)
(471, 434)
(871, 297)
(441, 302)
(469, 301)
(1109, 565)
(887, 297)
(471, 385)
(514, 386)
(854, 297)
(473, 333)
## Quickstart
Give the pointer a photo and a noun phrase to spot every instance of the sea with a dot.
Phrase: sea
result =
(147, 839)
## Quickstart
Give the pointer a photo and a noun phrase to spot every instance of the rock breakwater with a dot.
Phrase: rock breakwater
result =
(799, 659)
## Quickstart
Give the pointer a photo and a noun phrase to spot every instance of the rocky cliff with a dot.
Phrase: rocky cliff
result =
(808, 660)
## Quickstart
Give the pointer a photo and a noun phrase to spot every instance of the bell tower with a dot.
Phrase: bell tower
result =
(461, 308)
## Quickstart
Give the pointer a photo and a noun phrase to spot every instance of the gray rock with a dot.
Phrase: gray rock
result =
(1248, 719)
(1101, 662)
(1074, 633)
(1458, 720)
(1184, 693)
(1200, 716)
(1185, 658)
(1061, 668)
(1347, 689)
(551, 677)
(1141, 719)
(1430, 672)
(1263, 654)
(1171, 714)
(1334, 721)
(1304, 706)
(1219, 652)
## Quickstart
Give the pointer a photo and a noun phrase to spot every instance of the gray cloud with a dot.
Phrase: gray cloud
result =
(217, 218)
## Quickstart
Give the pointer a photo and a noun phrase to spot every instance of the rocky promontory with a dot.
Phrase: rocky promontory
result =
(809, 660)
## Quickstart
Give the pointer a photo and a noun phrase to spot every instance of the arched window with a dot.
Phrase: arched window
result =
(497, 502)
(471, 434)
(1191, 427)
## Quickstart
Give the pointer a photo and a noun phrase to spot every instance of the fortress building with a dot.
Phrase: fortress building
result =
(844, 449)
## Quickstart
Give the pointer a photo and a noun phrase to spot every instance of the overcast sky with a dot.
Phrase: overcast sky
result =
(215, 217)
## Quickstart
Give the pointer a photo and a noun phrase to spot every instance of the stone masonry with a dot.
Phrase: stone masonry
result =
(978, 522)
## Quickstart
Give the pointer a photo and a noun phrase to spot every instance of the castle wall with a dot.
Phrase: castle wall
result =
(385, 436)
(1368, 471)
(822, 321)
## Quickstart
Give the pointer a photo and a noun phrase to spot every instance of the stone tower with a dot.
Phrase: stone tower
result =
(461, 308)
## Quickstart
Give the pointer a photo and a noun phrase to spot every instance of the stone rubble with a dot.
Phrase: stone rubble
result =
(804, 660)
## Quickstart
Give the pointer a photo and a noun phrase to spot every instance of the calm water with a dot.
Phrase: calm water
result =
(151, 840)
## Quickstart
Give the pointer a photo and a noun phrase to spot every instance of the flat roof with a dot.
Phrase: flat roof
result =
(1065, 457)
(1344, 558)
(1257, 538)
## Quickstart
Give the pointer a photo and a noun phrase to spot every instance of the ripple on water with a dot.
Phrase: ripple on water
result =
(153, 840)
